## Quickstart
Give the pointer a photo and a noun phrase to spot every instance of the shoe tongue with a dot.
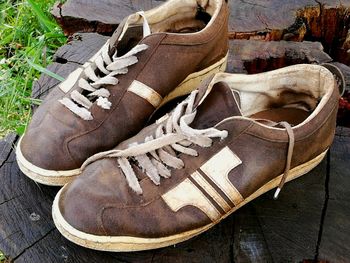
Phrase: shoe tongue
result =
(113, 41)
(215, 104)
(125, 32)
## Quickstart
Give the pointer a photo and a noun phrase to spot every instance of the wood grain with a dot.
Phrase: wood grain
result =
(97, 16)
(326, 21)
(254, 56)
(335, 240)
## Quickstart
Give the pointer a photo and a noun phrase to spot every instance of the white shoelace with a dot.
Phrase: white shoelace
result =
(110, 67)
(158, 153)
(114, 66)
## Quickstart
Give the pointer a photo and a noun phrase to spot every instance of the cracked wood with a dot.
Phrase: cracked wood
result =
(97, 16)
(327, 21)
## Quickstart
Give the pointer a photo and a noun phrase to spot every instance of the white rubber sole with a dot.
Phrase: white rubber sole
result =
(128, 243)
(43, 176)
(193, 80)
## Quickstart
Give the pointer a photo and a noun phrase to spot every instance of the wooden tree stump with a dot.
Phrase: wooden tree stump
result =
(327, 21)
(253, 56)
(97, 16)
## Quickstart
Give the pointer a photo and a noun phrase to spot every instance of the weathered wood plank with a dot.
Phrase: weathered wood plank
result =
(253, 56)
(6, 146)
(54, 248)
(247, 19)
(214, 245)
(261, 20)
(45, 83)
(335, 241)
(291, 224)
(80, 48)
(24, 208)
(97, 16)
(249, 241)
(326, 21)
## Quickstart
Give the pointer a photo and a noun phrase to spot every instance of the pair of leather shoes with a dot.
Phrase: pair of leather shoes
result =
(232, 139)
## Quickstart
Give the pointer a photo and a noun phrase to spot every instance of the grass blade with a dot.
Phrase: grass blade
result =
(43, 19)
(29, 37)
(44, 70)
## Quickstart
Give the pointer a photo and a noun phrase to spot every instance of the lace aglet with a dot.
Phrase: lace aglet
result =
(275, 196)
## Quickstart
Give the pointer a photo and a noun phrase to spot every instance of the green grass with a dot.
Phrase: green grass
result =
(2, 257)
(29, 36)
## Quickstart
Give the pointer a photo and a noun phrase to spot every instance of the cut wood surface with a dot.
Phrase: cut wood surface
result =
(336, 225)
(253, 56)
(327, 21)
(268, 19)
(97, 16)
(309, 221)
(287, 20)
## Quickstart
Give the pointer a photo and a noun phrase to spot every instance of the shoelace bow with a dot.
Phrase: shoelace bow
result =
(108, 66)
(158, 152)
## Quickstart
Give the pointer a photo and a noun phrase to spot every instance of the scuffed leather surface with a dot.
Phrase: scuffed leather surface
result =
(100, 201)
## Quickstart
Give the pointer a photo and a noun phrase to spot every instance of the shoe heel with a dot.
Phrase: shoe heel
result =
(193, 80)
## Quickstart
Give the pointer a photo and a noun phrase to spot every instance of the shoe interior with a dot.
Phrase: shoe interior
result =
(293, 94)
(179, 16)
(291, 115)
(175, 16)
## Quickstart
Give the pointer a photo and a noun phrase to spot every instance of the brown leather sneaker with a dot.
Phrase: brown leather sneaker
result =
(234, 139)
(152, 57)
